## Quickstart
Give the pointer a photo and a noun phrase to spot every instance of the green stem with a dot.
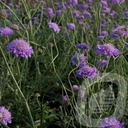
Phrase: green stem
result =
(26, 103)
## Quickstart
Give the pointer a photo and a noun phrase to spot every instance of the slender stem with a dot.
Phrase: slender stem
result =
(18, 88)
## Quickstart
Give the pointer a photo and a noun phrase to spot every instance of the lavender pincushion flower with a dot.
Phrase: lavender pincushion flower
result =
(83, 46)
(50, 12)
(19, 47)
(87, 14)
(107, 50)
(6, 31)
(87, 72)
(118, 31)
(73, 2)
(71, 26)
(102, 63)
(111, 123)
(54, 26)
(78, 59)
(102, 35)
(5, 115)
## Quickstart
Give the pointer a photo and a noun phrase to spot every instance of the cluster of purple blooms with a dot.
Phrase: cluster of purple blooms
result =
(79, 60)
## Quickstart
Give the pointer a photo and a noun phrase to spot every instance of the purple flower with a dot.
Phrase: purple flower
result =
(99, 38)
(50, 12)
(102, 35)
(6, 31)
(76, 13)
(126, 13)
(104, 23)
(114, 14)
(19, 47)
(71, 26)
(75, 87)
(102, 63)
(59, 12)
(83, 46)
(87, 72)
(107, 50)
(87, 14)
(83, 6)
(111, 123)
(118, 32)
(64, 98)
(54, 26)
(73, 2)
(115, 1)
(104, 3)
(78, 17)
(106, 10)
(58, 5)
(90, 1)
(78, 59)
(5, 115)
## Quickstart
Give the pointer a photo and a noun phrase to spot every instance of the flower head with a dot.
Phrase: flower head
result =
(73, 2)
(54, 26)
(6, 31)
(19, 47)
(87, 14)
(107, 50)
(78, 59)
(5, 115)
(83, 46)
(115, 1)
(87, 72)
(111, 122)
(102, 63)
(83, 6)
(59, 12)
(76, 13)
(118, 31)
(50, 12)
(71, 26)
(64, 98)
(75, 87)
